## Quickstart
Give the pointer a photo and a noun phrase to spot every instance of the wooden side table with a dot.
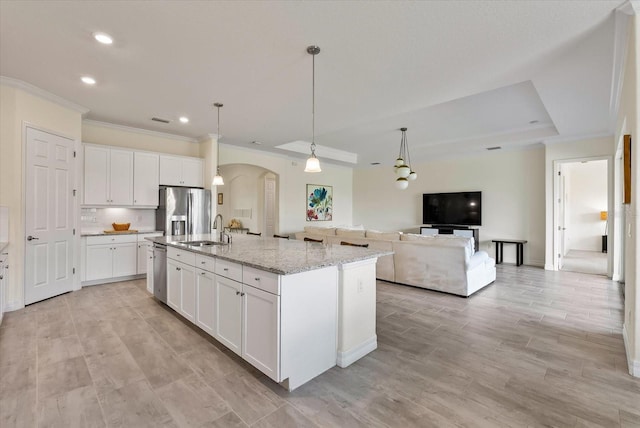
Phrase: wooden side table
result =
(519, 249)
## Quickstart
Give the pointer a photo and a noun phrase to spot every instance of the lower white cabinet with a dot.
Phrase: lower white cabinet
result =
(143, 247)
(181, 288)
(205, 298)
(228, 313)
(261, 330)
(4, 281)
(149, 263)
(110, 260)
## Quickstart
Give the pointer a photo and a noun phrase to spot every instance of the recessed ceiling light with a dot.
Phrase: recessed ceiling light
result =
(184, 119)
(103, 38)
(88, 80)
(532, 122)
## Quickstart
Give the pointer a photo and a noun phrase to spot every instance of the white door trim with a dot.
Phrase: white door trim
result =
(610, 207)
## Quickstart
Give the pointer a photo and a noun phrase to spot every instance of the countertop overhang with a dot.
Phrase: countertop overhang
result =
(281, 256)
(124, 232)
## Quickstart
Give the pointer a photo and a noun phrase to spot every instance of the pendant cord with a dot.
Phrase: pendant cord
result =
(313, 105)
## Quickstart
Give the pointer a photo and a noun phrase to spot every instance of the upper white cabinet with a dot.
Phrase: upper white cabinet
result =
(108, 176)
(146, 179)
(181, 171)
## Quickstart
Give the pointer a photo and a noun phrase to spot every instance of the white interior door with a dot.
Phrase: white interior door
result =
(50, 171)
(562, 216)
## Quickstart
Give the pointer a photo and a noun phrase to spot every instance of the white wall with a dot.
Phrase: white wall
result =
(292, 186)
(512, 185)
(586, 189)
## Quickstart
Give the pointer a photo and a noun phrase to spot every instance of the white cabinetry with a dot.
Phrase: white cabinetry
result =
(181, 171)
(143, 247)
(4, 281)
(149, 263)
(261, 330)
(110, 257)
(228, 313)
(181, 283)
(108, 176)
(146, 179)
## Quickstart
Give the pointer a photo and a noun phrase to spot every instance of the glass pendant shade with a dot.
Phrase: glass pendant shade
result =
(402, 183)
(217, 180)
(412, 176)
(313, 164)
(403, 171)
(399, 162)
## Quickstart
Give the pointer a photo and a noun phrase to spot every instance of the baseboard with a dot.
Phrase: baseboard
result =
(13, 306)
(548, 267)
(349, 357)
(633, 365)
(110, 280)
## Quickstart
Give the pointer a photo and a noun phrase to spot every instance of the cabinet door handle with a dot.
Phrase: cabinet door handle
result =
(226, 269)
(178, 255)
(177, 268)
(257, 278)
(237, 292)
(202, 262)
(203, 273)
(242, 294)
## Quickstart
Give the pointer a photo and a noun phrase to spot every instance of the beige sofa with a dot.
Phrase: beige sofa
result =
(444, 263)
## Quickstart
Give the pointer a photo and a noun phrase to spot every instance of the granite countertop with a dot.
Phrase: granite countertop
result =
(102, 232)
(281, 256)
(3, 246)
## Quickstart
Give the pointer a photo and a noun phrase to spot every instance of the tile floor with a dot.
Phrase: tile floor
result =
(535, 349)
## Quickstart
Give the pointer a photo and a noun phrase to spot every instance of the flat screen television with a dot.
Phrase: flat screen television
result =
(459, 208)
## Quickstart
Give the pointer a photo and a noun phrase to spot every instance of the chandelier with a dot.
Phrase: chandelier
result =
(403, 164)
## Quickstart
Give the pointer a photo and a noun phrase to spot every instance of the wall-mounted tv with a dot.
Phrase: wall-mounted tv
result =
(460, 208)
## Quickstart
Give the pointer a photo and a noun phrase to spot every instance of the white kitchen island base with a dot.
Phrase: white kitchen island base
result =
(356, 311)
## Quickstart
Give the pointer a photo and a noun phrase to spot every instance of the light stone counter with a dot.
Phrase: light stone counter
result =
(281, 256)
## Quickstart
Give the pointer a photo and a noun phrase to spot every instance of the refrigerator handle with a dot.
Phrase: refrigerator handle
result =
(190, 214)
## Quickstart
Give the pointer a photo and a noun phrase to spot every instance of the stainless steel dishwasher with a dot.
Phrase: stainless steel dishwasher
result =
(160, 272)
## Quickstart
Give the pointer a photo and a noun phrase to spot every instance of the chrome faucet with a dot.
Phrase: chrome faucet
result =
(219, 227)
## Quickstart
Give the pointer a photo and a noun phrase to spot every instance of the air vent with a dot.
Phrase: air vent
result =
(157, 119)
(494, 148)
(375, 163)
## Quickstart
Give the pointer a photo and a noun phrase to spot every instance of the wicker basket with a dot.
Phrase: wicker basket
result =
(121, 226)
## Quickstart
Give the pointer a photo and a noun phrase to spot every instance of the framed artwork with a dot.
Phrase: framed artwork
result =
(319, 202)
(627, 169)
(220, 197)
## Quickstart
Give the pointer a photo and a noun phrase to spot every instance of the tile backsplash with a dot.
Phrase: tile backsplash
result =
(98, 219)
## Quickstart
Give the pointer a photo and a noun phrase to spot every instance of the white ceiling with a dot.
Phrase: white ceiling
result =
(461, 75)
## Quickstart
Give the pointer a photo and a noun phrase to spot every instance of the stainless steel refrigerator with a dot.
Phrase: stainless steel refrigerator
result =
(184, 211)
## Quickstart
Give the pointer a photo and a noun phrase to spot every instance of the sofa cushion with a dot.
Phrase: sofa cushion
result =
(385, 236)
(347, 233)
(415, 237)
(320, 230)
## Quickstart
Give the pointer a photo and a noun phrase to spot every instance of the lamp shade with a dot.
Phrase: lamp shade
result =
(603, 215)
(402, 183)
(313, 165)
(217, 180)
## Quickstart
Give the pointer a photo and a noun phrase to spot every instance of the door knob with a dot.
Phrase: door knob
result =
(31, 238)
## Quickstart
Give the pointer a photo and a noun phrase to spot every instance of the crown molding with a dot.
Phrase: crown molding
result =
(139, 130)
(630, 7)
(570, 138)
(622, 18)
(41, 93)
(206, 137)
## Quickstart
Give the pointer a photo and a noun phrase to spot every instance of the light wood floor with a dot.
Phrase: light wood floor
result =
(592, 262)
(534, 349)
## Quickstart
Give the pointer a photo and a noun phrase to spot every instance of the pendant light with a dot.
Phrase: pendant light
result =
(403, 164)
(313, 164)
(217, 180)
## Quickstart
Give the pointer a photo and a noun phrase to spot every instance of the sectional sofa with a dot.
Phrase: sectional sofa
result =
(444, 263)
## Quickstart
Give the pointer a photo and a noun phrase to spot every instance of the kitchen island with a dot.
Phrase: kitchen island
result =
(292, 309)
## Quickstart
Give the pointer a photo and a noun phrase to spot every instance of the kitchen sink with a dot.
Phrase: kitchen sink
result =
(202, 243)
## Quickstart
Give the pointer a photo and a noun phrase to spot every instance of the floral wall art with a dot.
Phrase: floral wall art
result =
(319, 202)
